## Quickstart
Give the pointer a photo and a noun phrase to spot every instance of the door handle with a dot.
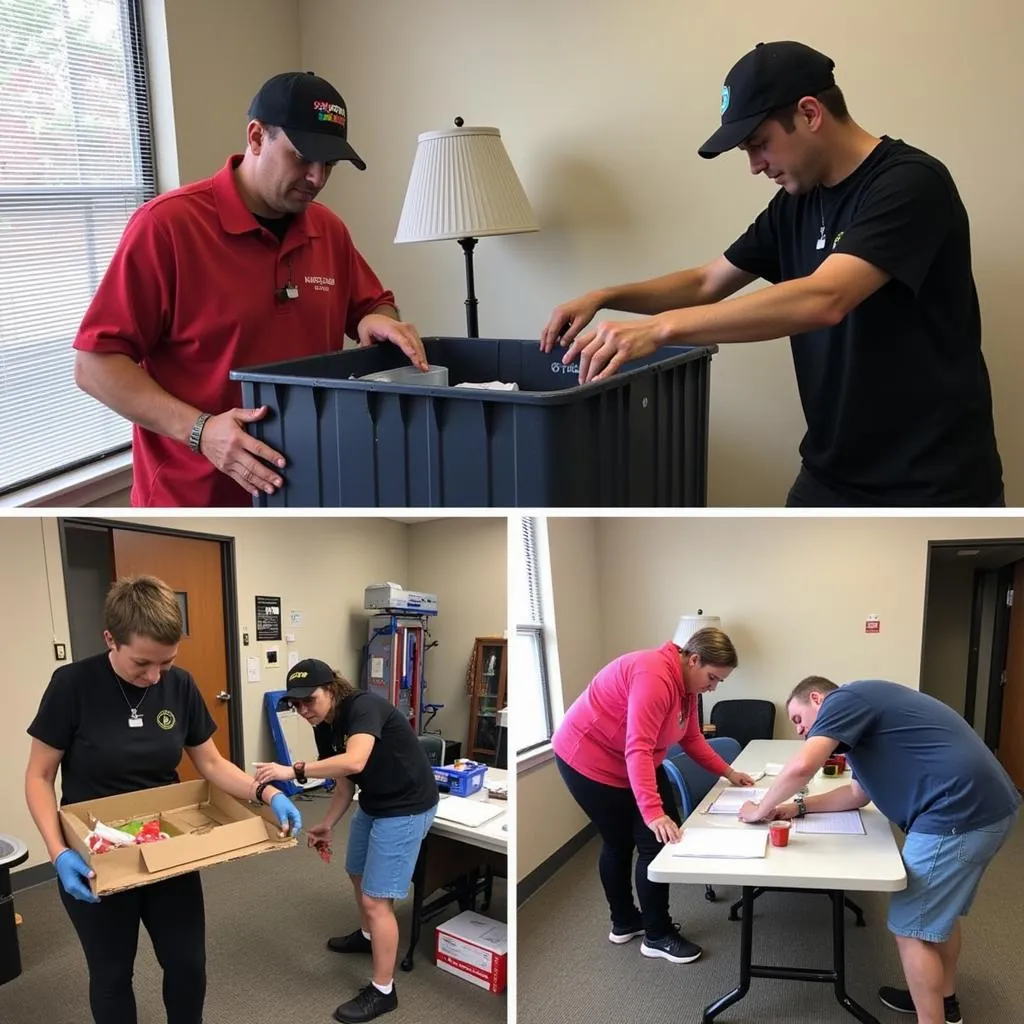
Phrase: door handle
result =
(223, 696)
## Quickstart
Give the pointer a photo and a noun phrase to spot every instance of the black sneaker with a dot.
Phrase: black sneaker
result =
(370, 1003)
(621, 933)
(357, 942)
(898, 999)
(671, 947)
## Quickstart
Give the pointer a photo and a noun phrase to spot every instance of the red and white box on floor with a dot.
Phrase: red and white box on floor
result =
(474, 947)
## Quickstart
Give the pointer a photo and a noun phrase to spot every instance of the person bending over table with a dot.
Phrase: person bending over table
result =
(928, 772)
(609, 749)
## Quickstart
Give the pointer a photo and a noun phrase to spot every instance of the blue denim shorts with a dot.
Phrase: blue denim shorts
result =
(943, 873)
(384, 851)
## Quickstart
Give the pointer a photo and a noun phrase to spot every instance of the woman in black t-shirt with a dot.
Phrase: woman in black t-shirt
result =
(364, 741)
(116, 723)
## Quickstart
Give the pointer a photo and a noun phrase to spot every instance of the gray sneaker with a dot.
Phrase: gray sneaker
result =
(672, 947)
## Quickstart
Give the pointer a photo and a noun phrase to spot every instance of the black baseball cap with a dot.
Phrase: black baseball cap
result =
(771, 76)
(311, 113)
(304, 677)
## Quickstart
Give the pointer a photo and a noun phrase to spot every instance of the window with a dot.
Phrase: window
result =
(76, 160)
(533, 636)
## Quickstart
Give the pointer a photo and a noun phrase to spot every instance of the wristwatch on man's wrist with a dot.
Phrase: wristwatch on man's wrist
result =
(801, 807)
(300, 772)
(196, 434)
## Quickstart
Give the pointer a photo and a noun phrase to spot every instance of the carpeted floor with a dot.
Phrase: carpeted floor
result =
(569, 973)
(268, 918)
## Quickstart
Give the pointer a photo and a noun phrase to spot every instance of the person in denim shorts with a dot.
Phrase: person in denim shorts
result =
(364, 741)
(928, 771)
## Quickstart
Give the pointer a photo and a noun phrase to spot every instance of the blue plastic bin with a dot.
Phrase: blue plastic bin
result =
(637, 439)
(461, 782)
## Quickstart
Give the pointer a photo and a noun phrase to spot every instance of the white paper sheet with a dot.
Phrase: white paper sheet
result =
(732, 798)
(721, 842)
(847, 823)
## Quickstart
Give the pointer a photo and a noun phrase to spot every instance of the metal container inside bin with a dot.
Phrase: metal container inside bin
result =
(636, 439)
(433, 377)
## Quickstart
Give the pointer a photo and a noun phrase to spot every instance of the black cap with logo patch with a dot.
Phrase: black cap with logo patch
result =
(771, 76)
(304, 677)
(311, 113)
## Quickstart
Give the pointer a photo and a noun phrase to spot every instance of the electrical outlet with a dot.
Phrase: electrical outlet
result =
(60, 652)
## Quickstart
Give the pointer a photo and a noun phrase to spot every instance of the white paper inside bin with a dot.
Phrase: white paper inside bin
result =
(434, 377)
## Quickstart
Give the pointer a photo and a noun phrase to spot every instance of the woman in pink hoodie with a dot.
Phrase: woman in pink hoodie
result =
(609, 750)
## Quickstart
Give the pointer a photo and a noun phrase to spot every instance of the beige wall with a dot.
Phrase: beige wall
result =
(319, 566)
(602, 106)
(793, 593)
(471, 594)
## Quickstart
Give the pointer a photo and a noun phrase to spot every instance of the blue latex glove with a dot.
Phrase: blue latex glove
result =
(74, 875)
(287, 814)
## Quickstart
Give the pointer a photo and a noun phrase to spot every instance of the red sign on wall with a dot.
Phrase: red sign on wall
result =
(872, 626)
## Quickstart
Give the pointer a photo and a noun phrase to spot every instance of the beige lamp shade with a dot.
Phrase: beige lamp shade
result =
(690, 624)
(463, 185)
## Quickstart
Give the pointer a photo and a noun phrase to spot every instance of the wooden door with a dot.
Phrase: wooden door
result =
(1011, 728)
(191, 567)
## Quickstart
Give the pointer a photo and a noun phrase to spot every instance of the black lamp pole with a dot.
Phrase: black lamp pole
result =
(472, 329)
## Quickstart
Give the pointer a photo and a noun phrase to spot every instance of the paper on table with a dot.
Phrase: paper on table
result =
(721, 842)
(847, 823)
(771, 768)
(473, 813)
(732, 798)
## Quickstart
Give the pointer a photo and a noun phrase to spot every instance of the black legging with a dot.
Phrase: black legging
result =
(619, 823)
(174, 916)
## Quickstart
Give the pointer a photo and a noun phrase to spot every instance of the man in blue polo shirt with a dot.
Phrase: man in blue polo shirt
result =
(928, 772)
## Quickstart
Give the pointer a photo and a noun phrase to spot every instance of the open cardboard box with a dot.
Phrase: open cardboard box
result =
(206, 827)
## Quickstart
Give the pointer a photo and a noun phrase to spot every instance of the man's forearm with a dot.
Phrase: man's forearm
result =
(122, 385)
(788, 783)
(672, 291)
(791, 307)
(842, 798)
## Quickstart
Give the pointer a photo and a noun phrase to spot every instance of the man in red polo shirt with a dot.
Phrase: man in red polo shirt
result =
(240, 269)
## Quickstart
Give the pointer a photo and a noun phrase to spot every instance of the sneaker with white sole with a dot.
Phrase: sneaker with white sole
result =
(621, 933)
(672, 947)
(899, 999)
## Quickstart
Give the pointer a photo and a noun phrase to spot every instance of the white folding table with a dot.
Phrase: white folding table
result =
(830, 864)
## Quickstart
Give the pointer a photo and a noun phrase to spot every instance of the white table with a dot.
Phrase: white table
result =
(831, 864)
(452, 850)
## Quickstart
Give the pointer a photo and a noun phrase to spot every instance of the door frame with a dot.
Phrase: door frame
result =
(1000, 631)
(228, 586)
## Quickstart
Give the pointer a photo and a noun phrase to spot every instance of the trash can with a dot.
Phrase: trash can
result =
(12, 853)
(636, 439)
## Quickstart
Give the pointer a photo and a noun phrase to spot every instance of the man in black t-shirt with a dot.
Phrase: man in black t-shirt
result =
(364, 741)
(867, 247)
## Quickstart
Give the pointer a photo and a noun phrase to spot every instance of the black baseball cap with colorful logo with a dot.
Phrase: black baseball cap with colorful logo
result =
(770, 77)
(311, 113)
(303, 679)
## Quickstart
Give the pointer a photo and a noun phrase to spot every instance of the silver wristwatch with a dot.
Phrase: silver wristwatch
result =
(196, 433)
(801, 807)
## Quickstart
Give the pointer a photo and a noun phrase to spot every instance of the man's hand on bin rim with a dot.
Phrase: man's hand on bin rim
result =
(602, 351)
(237, 454)
(376, 327)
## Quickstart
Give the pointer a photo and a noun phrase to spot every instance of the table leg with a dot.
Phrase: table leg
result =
(838, 898)
(418, 882)
(746, 948)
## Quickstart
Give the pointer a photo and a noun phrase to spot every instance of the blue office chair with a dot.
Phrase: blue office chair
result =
(692, 782)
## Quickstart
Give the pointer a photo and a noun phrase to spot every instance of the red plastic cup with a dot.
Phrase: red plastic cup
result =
(778, 832)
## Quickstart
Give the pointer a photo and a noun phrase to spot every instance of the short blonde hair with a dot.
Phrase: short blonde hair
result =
(713, 646)
(142, 606)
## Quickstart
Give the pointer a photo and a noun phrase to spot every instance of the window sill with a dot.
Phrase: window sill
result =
(85, 486)
(535, 759)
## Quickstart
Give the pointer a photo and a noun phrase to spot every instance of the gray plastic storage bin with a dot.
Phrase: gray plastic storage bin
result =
(636, 439)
